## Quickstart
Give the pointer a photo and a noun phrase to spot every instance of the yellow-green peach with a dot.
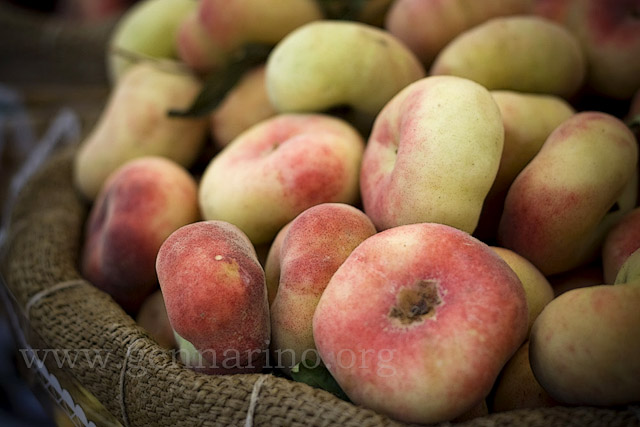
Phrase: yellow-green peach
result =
(432, 155)
(528, 121)
(560, 207)
(584, 345)
(135, 123)
(245, 105)
(146, 31)
(211, 34)
(536, 287)
(280, 167)
(522, 53)
(427, 26)
(630, 270)
(327, 64)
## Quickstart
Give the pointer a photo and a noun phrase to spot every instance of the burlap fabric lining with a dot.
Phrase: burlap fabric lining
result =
(143, 384)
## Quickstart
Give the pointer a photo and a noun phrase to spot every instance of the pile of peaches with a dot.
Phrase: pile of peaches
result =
(420, 198)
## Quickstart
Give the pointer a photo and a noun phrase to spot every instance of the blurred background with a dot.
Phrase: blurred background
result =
(52, 79)
(85, 10)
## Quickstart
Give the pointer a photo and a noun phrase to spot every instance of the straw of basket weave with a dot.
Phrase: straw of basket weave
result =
(142, 383)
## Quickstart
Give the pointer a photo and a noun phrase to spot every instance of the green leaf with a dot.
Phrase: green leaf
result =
(348, 10)
(318, 376)
(217, 84)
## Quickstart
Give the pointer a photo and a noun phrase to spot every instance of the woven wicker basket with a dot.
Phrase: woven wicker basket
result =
(137, 382)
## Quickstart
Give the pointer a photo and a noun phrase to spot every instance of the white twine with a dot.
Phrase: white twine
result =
(254, 400)
(123, 408)
(46, 292)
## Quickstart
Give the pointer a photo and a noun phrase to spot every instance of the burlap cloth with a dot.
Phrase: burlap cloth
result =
(139, 383)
